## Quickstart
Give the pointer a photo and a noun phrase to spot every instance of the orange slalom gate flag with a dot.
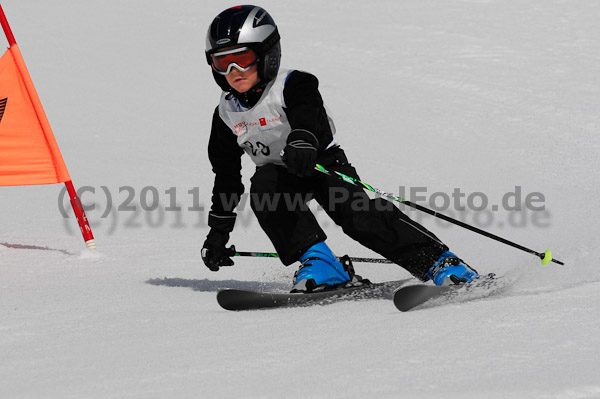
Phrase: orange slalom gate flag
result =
(29, 153)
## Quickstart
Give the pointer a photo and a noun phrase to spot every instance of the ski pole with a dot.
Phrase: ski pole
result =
(274, 255)
(546, 257)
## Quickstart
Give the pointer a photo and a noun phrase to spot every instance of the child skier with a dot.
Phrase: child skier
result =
(278, 118)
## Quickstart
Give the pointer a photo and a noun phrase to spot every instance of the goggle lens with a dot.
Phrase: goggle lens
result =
(242, 59)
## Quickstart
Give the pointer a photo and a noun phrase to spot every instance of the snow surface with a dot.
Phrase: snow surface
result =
(481, 95)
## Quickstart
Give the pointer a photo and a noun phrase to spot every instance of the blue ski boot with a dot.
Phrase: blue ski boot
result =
(320, 269)
(450, 269)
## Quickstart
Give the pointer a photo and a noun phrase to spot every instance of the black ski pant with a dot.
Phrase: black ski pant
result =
(280, 202)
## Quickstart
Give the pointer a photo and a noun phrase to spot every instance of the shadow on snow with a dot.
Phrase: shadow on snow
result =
(206, 285)
(27, 246)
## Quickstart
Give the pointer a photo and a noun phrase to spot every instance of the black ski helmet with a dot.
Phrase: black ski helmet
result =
(249, 25)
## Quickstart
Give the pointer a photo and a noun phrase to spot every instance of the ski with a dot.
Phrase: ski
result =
(413, 296)
(238, 299)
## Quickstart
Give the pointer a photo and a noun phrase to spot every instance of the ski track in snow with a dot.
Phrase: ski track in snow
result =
(478, 95)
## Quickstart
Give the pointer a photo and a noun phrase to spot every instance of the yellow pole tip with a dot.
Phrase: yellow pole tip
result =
(547, 258)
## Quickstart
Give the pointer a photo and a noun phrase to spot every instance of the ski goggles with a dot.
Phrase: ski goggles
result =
(242, 59)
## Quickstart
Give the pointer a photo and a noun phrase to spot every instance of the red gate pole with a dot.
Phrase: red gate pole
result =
(6, 27)
(82, 220)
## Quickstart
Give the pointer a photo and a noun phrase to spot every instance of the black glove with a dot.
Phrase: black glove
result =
(300, 153)
(214, 253)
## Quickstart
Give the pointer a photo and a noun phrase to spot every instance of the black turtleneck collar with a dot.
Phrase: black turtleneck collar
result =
(251, 97)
